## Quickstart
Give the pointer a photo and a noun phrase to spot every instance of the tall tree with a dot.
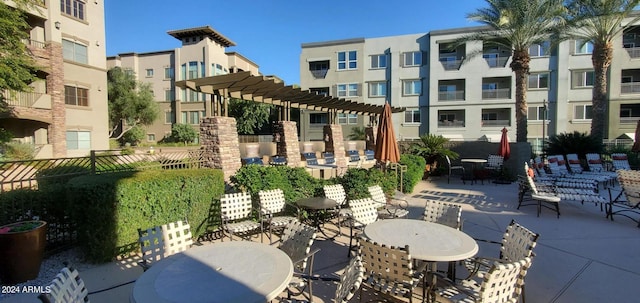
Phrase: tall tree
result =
(517, 25)
(600, 21)
(249, 115)
(131, 102)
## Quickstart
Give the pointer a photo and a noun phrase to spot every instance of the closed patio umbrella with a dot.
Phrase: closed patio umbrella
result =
(636, 141)
(386, 145)
(505, 150)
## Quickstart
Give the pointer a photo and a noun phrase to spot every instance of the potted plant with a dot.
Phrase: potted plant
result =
(432, 148)
(21, 250)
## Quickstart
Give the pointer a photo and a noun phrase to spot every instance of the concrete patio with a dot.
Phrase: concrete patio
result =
(581, 257)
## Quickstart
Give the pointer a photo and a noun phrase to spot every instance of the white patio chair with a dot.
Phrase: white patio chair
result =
(389, 269)
(388, 208)
(66, 287)
(273, 212)
(296, 241)
(363, 213)
(452, 168)
(630, 183)
(620, 161)
(235, 210)
(177, 237)
(502, 283)
(443, 213)
(517, 243)
(336, 192)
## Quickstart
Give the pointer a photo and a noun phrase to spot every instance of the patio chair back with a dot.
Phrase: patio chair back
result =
(177, 237)
(296, 242)
(620, 161)
(494, 162)
(329, 158)
(630, 183)
(66, 287)
(152, 246)
(235, 206)
(336, 192)
(350, 281)
(574, 163)
(443, 213)
(518, 242)
(311, 158)
(363, 211)
(595, 162)
(388, 269)
(271, 201)
(557, 165)
(503, 282)
(452, 168)
(377, 194)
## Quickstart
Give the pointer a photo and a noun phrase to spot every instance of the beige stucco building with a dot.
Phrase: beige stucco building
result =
(66, 113)
(202, 53)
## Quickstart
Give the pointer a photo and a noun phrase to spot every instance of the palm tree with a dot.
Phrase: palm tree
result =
(517, 25)
(600, 21)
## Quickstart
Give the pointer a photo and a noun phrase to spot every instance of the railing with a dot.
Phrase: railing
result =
(634, 52)
(629, 120)
(500, 61)
(24, 99)
(501, 93)
(496, 123)
(451, 64)
(450, 124)
(34, 43)
(319, 74)
(451, 95)
(630, 88)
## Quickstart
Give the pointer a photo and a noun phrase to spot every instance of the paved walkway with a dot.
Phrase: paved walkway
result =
(581, 257)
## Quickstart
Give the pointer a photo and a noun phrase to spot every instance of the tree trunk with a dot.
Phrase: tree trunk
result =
(601, 59)
(520, 66)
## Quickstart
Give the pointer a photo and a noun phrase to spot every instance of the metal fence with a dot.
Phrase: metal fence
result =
(27, 174)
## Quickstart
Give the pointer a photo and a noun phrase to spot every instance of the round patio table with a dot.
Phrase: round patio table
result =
(474, 163)
(318, 207)
(240, 271)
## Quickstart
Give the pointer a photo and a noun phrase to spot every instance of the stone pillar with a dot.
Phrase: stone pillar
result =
(370, 137)
(57, 131)
(219, 140)
(333, 132)
(287, 144)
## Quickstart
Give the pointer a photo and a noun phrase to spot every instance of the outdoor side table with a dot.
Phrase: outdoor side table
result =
(238, 271)
(474, 163)
(317, 207)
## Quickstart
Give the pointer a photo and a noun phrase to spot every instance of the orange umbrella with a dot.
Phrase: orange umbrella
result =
(636, 142)
(386, 145)
(505, 150)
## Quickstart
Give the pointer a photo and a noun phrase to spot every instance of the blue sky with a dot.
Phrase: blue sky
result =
(270, 32)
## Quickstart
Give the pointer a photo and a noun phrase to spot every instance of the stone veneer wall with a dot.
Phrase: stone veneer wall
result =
(288, 145)
(57, 132)
(219, 139)
(333, 132)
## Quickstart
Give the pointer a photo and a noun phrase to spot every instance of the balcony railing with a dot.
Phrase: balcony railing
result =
(457, 95)
(319, 73)
(629, 120)
(496, 123)
(501, 93)
(500, 61)
(634, 52)
(34, 43)
(451, 64)
(450, 124)
(23, 99)
(630, 88)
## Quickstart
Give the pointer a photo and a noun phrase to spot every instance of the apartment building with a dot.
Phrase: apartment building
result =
(66, 113)
(373, 71)
(468, 92)
(202, 53)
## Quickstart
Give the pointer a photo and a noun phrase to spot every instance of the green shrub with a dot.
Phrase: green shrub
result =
(296, 183)
(23, 204)
(16, 151)
(133, 136)
(60, 174)
(109, 208)
(356, 181)
(415, 170)
(572, 143)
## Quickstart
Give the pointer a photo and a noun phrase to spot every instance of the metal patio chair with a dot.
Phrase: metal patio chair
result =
(66, 287)
(235, 211)
(273, 209)
(388, 208)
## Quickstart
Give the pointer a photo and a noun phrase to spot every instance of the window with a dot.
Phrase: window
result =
(412, 116)
(76, 96)
(582, 112)
(151, 137)
(194, 117)
(149, 72)
(320, 91)
(538, 80)
(193, 70)
(168, 72)
(168, 95)
(78, 140)
(347, 60)
(217, 69)
(347, 90)
(583, 79)
(539, 50)
(347, 118)
(412, 87)
(489, 116)
(379, 61)
(535, 113)
(73, 8)
(74, 51)
(412, 59)
(319, 118)
(378, 89)
(183, 117)
(629, 111)
(169, 118)
(583, 47)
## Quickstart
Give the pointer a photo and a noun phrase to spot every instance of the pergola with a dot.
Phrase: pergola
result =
(268, 90)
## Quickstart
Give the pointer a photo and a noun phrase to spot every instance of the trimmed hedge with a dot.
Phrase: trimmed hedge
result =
(295, 182)
(109, 208)
(356, 181)
(415, 171)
